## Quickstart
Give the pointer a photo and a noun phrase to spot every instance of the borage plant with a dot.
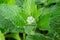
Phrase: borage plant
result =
(29, 20)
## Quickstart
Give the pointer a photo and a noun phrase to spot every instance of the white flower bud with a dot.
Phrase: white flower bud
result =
(30, 20)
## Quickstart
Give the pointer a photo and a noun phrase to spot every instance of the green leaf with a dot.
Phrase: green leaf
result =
(2, 1)
(44, 19)
(38, 37)
(49, 20)
(19, 2)
(12, 17)
(47, 2)
(55, 20)
(10, 2)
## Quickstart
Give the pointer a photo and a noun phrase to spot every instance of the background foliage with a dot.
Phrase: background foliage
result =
(15, 16)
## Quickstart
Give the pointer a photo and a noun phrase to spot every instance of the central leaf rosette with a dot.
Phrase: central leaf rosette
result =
(19, 19)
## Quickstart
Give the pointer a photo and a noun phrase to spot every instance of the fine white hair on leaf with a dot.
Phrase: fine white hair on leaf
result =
(30, 20)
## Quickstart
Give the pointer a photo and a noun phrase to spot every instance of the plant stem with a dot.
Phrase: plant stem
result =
(24, 36)
(2, 37)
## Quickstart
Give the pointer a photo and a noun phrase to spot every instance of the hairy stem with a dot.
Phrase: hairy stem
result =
(2, 36)
(24, 36)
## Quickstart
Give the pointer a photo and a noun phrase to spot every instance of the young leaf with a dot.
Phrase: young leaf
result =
(30, 8)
